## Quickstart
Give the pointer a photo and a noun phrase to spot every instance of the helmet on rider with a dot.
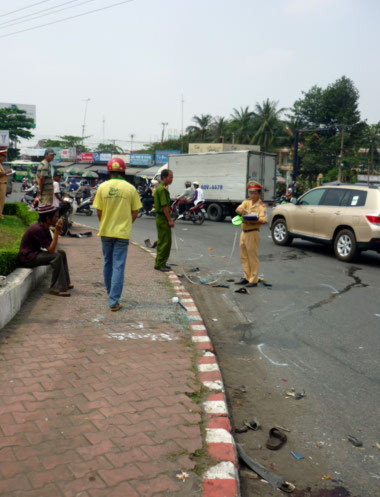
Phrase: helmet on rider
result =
(116, 165)
(187, 184)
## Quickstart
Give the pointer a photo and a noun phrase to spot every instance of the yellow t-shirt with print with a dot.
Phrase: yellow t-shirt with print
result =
(116, 198)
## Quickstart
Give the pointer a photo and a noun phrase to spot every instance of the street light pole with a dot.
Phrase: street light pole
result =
(132, 136)
(84, 117)
(163, 131)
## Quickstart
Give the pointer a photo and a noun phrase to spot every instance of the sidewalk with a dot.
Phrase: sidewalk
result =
(93, 403)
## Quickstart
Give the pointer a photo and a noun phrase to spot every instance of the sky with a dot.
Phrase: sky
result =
(136, 60)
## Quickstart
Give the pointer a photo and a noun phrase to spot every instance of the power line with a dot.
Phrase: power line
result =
(66, 19)
(24, 8)
(32, 17)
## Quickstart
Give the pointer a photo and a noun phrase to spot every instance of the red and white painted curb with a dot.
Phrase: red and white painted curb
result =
(221, 480)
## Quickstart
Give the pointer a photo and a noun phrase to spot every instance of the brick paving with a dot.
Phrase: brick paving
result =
(93, 403)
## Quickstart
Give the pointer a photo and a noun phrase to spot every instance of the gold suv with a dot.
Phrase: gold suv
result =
(346, 216)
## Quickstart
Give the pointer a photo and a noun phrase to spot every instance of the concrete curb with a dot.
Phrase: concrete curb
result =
(221, 480)
(19, 284)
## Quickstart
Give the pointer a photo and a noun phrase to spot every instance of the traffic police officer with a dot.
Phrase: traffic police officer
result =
(164, 222)
(250, 235)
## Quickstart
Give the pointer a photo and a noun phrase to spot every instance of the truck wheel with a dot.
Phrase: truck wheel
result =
(280, 233)
(345, 246)
(215, 212)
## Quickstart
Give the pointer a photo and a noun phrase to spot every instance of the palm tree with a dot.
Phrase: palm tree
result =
(220, 129)
(267, 123)
(201, 127)
(373, 135)
(241, 124)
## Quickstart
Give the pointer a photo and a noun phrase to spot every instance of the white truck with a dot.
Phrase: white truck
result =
(223, 177)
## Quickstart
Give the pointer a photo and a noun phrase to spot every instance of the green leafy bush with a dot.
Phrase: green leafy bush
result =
(8, 257)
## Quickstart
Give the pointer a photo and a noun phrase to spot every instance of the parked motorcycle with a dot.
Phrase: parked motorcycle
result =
(196, 214)
(85, 206)
(67, 211)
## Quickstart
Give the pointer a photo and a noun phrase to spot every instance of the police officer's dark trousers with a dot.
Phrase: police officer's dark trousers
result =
(164, 241)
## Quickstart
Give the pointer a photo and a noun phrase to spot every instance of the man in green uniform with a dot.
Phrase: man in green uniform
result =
(164, 222)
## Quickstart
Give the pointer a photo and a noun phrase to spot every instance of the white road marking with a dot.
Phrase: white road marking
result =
(260, 346)
(329, 286)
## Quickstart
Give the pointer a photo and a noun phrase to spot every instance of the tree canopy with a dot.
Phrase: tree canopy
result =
(18, 124)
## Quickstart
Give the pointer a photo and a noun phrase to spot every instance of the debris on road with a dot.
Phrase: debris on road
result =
(355, 441)
(296, 455)
(222, 285)
(242, 290)
(296, 395)
(148, 243)
(245, 473)
(276, 481)
(194, 269)
(283, 428)
(253, 425)
(231, 280)
(182, 476)
(276, 439)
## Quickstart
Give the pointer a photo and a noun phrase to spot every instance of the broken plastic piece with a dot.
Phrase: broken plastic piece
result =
(231, 280)
(355, 441)
(296, 455)
(194, 269)
(154, 245)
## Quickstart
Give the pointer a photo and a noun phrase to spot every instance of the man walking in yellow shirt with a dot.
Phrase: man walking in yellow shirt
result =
(117, 203)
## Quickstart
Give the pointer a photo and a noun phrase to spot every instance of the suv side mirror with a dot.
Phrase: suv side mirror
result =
(293, 200)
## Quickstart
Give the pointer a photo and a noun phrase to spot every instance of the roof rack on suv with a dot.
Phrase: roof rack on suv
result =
(371, 185)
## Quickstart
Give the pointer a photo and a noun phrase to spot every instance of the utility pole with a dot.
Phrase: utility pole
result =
(84, 118)
(233, 138)
(104, 127)
(132, 136)
(163, 131)
(341, 153)
(182, 102)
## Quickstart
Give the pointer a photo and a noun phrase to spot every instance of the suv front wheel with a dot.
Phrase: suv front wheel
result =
(280, 233)
(345, 247)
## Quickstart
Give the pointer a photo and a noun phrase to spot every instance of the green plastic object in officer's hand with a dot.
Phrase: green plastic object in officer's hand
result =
(237, 220)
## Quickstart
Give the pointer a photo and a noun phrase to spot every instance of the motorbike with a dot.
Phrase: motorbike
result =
(26, 184)
(30, 195)
(196, 214)
(67, 211)
(85, 206)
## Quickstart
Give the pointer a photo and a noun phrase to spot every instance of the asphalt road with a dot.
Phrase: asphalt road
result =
(316, 329)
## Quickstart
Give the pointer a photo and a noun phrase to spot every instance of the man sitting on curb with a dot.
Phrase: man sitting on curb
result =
(39, 248)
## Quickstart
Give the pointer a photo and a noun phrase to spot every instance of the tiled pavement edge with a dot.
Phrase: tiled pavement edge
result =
(221, 480)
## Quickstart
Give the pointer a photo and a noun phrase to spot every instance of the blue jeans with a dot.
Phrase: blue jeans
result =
(115, 254)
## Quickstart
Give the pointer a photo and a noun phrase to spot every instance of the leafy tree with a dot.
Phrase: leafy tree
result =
(241, 124)
(18, 124)
(335, 110)
(110, 148)
(68, 141)
(266, 123)
(373, 138)
(201, 129)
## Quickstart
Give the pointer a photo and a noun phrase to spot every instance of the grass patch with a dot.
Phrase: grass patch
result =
(16, 219)
(11, 230)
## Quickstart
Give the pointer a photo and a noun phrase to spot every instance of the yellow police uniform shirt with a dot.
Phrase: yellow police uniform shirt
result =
(116, 198)
(3, 178)
(258, 208)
